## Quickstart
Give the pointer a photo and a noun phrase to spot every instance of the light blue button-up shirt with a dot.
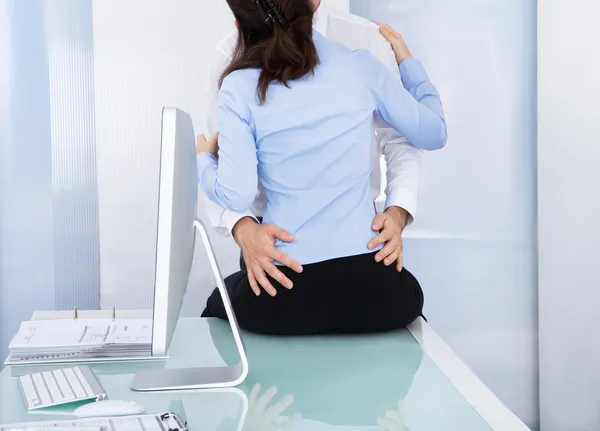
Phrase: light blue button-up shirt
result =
(309, 145)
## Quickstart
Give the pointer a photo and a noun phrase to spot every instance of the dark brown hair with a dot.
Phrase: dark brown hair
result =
(275, 36)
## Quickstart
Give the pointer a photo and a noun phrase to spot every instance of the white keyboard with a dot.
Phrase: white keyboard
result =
(57, 387)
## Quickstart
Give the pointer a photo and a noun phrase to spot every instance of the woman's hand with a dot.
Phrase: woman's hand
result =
(210, 146)
(397, 42)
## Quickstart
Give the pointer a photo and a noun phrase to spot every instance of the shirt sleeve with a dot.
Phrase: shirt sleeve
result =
(222, 219)
(403, 169)
(233, 181)
(414, 108)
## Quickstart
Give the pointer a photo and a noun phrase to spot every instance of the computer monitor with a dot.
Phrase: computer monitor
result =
(177, 198)
(177, 222)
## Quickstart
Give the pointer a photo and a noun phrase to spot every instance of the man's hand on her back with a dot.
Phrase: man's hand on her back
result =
(257, 242)
(390, 225)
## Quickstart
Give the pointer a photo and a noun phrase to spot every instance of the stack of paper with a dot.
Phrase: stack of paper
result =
(166, 421)
(81, 339)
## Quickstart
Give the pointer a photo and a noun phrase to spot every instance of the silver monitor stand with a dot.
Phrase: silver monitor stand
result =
(176, 226)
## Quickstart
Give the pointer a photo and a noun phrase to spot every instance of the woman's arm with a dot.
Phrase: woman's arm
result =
(233, 181)
(413, 108)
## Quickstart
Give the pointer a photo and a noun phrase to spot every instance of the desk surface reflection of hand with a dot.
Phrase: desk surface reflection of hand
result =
(264, 411)
(344, 381)
(393, 420)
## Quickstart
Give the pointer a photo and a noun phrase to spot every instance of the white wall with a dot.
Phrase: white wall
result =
(569, 214)
(343, 5)
(148, 54)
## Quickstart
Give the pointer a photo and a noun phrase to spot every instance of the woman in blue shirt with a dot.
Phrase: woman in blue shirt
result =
(296, 113)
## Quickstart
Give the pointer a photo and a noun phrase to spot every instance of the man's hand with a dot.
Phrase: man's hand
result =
(257, 242)
(390, 225)
(210, 146)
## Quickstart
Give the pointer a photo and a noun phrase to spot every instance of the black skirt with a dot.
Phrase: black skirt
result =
(347, 295)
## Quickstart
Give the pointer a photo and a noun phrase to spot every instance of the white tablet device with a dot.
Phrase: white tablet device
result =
(177, 222)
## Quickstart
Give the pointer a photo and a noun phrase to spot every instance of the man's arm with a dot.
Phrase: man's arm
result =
(403, 169)
(403, 173)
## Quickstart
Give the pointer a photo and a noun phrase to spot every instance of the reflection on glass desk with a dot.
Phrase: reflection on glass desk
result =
(376, 382)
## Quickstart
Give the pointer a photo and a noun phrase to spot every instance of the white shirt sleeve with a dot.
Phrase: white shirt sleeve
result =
(403, 168)
(222, 219)
(403, 161)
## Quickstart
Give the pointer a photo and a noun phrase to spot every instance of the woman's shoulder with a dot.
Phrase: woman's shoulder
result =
(241, 77)
(335, 49)
(347, 58)
(241, 83)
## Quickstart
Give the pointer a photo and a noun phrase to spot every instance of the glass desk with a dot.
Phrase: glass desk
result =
(406, 380)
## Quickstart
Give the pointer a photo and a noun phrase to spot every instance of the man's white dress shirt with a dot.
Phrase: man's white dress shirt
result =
(402, 160)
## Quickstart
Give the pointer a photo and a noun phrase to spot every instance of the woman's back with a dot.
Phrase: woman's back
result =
(312, 144)
(296, 110)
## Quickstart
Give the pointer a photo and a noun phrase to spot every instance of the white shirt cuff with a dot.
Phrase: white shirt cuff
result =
(230, 219)
(405, 199)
